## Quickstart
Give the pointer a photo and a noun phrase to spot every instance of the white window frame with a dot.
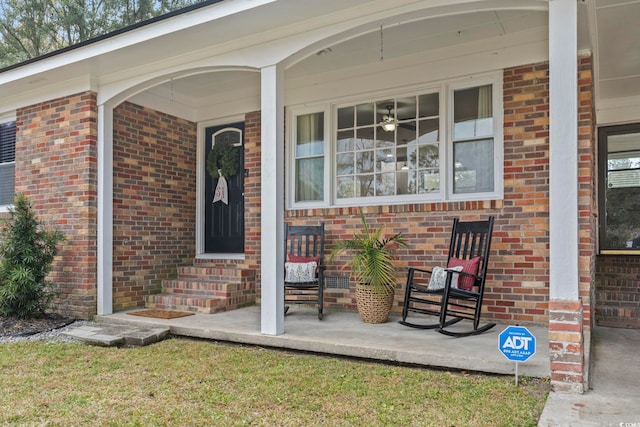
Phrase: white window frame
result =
(5, 118)
(387, 200)
(290, 176)
(445, 90)
(498, 137)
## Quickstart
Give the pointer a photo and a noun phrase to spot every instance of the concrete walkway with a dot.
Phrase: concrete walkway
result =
(344, 334)
(614, 397)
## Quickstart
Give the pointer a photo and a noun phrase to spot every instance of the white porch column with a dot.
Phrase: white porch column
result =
(566, 329)
(105, 210)
(272, 200)
(563, 141)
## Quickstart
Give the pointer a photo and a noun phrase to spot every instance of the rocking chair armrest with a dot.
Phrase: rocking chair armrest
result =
(422, 270)
(462, 273)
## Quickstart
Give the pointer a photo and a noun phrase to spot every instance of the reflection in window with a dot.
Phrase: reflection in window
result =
(309, 155)
(621, 189)
(376, 161)
(390, 150)
(473, 152)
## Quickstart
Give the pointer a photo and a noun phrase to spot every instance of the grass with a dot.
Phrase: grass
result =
(181, 382)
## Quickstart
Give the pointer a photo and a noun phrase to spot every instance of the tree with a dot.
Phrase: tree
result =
(31, 28)
(27, 252)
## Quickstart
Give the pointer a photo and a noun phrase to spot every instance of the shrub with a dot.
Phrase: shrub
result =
(27, 251)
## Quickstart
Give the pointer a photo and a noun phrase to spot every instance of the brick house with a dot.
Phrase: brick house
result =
(497, 106)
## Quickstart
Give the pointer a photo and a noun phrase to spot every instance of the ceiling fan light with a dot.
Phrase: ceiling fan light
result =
(388, 124)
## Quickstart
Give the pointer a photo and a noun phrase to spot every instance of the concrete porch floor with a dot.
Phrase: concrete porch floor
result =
(344, 334)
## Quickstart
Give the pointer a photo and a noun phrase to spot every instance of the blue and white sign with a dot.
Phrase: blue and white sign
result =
(517, 343)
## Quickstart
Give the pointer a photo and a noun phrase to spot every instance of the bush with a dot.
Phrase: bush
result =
(27, 251)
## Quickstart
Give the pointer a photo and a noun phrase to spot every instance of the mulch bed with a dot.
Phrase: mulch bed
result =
(12, 326)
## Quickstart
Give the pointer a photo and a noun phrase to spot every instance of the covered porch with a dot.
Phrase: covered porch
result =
(343, 333)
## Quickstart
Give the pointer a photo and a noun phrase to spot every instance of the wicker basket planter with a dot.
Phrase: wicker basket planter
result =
(374, 304)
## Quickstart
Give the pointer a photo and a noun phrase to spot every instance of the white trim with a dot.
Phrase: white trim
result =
(8, 117)
(221, 256)
(618, 111)
(291, 131)
(564, 275)
(498, 136)
(272, 201)
(105, 211)
(200, 177)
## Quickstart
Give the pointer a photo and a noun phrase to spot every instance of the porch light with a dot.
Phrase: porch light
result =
(388, 123)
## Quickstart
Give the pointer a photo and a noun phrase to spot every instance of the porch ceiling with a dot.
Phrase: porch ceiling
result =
(397, 40)
(606, 27)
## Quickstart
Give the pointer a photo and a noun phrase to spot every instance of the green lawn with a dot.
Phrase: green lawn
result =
(182, 382)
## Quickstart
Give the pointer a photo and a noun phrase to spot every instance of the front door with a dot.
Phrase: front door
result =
(224, 222)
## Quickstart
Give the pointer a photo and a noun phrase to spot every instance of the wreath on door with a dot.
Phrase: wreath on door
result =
(222, 160)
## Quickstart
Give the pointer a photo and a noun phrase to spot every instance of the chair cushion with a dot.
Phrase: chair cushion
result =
(468, 266)
(300, 272)
(439, 278)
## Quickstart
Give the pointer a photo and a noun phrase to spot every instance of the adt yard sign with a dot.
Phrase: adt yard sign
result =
(517, 343)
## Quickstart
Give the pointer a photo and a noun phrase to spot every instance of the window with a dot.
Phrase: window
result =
(388, 148)
(619, 192)
(473, 140)
(309, 157)
(431, 145)
(7, 161)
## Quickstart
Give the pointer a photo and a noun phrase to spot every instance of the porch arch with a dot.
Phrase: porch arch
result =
(108, 100)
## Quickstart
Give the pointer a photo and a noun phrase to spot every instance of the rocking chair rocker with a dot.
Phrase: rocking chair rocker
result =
(453, 293)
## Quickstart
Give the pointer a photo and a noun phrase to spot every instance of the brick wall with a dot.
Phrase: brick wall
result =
(587, 198)
(56, 169)
(252, 191)
(618, 291)
(154, 200)
(517, 281)
(518, 276)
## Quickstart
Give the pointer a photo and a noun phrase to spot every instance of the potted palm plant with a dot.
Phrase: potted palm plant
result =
(372, 267)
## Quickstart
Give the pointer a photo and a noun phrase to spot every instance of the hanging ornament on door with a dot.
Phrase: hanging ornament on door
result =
(222, 191)
(222, 163)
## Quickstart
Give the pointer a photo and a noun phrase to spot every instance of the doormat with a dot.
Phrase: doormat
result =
(161, 314)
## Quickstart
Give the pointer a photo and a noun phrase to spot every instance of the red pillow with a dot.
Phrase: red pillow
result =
(468, 266)
(302, 258)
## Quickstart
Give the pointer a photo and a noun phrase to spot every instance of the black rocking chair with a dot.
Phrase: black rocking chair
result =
(304, 282)
(453, 293)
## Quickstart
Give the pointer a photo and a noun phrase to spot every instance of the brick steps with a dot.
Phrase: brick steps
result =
(206, 289)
